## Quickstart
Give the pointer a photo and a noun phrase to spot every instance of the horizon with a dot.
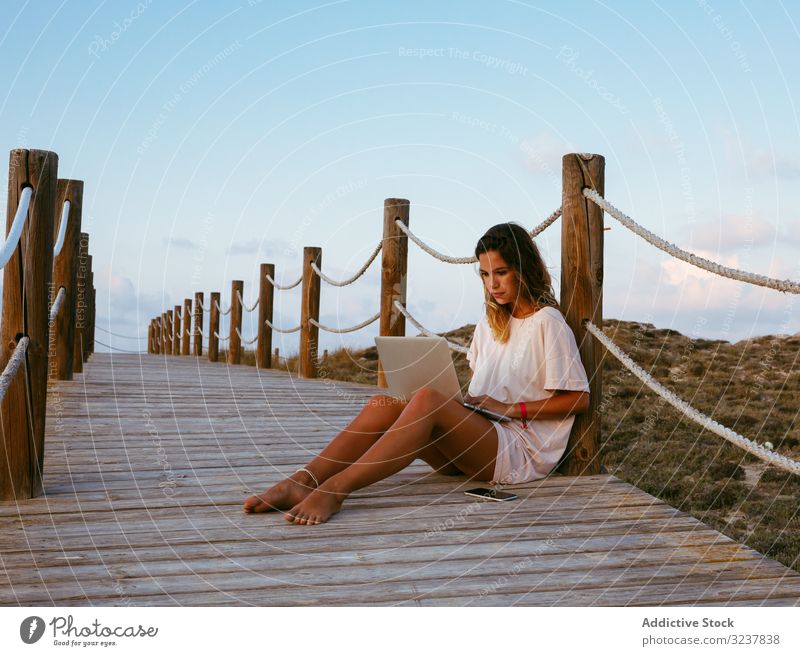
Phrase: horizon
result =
(213, 138)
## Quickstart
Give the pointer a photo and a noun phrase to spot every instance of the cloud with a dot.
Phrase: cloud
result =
(179, 242)
(731, 233)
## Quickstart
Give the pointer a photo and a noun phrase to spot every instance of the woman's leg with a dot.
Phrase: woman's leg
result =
(465, 438)
(375, 418)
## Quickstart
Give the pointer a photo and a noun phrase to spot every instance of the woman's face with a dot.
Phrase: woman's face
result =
(498, 277)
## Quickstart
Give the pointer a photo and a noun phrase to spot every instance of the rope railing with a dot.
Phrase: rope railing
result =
(221, 311)
(16, 359)
(455, 347)
(117, 348)
(119, 335)
(244, 341)
(692, 413)
(358, 274)
(352, 329)
(203, 309)
(62, 229)
(284, 287)
(241, 300)
(467, 259)
(700, 262)
(17, 225)
(221, 339)
(57, 304)
(281, 330)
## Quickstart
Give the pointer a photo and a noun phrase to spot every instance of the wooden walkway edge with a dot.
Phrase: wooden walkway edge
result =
(148, 459)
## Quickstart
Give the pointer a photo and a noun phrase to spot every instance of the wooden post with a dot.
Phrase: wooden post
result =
(265, 296)
(157, 326)
(169, 333)
(277, 357)
(582, 297)
(187, 326)
(65, 274)
(235, 341)
(213, 328)
(309, 333)
(87, 329)
(165, 332)
(150, 337)
(80, 305)
(198, 323)
(176, 330)
(27, 277)
(394, 265)
(92, 315)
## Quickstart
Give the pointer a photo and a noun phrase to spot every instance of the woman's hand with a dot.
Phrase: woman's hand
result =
(488, 403)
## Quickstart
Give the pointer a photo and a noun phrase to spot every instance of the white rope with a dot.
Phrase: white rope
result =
(700, 262)
(469, 259)
(16, 226)
(221, 311)
(279, 330)
(241, 300)
(244, 341)
(359, 273)
(221, 339)
(200, 330)
(62, 229)
(705, 421)
(284, 287)
(14, 361)
(363, 324)
(57, 303)
(202, 308)
(425, 331)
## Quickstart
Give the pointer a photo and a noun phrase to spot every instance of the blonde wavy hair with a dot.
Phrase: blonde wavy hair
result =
(517, 248)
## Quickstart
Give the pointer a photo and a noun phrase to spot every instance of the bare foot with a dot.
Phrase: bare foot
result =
(317, 507)
(282, 496)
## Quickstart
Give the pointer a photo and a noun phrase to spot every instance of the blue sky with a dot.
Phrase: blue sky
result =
(215, 136)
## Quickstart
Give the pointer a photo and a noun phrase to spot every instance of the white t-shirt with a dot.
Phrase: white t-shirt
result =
(539, 357)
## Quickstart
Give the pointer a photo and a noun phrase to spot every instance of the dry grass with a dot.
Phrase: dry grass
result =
(751, 386)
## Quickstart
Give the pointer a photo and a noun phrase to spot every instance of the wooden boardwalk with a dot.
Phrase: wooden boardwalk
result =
(149, 458)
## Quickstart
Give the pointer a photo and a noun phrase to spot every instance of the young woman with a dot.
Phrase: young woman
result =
(525, 365)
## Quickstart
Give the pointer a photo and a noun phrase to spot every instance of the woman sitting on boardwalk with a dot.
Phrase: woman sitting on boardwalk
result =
(525, 365)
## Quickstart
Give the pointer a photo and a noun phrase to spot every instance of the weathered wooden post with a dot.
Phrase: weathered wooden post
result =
(92, 315)
(235, 341)
(165, 331)
(582, 297)
(150, 337)
(65, 274)
(309, 333)
(213, 328)
(276, 359)
(394, 265)
(265, 296)
(198, 323)
(169, 333)
(80, 305)
(26, 279)
(186, 333)
(88, 330)
(157, 326)
(176, 330)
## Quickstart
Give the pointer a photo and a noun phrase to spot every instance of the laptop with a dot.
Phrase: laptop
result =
(410, 363)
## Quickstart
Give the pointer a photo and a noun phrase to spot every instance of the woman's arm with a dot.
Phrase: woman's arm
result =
(562, 404)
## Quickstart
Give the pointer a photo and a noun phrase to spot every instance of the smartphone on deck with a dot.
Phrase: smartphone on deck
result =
(491, 495)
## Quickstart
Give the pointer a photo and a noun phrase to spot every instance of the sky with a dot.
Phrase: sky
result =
(212, 137)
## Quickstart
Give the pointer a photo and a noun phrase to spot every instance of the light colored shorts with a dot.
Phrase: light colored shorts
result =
(519, 458)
